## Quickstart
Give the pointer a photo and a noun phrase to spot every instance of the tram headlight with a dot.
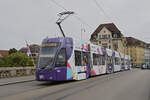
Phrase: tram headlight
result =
(41, 76)
(50, 77)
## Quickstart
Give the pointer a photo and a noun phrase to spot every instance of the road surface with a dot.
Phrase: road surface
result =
(127, 85)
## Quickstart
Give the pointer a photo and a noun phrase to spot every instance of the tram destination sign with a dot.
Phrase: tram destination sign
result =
(50, 44)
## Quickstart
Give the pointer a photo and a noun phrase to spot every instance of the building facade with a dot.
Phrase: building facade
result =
(136, 49)
(34, 48)
(109, 36)
(147, 54)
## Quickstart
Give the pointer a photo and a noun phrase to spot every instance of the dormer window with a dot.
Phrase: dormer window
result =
(94, 37)
(115, 36)
(99, 36)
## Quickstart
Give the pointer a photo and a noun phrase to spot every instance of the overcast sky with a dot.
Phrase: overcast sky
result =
(33, 20)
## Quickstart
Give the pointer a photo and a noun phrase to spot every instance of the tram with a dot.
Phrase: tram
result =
(63, 59)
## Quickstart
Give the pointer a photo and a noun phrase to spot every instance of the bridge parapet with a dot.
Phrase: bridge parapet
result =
(7, 72)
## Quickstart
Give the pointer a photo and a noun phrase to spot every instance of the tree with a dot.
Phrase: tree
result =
(2, 63)
(15, 60)
(13, 50)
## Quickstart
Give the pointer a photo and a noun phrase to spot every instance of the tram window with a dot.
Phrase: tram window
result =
(122, 61)
(129, 62)
(77, 58)
(117, 61)
(61, 58)
(84, 58)
(99, 59)
(109, 60)
(103, 60)
(126, 62)
(95, 59)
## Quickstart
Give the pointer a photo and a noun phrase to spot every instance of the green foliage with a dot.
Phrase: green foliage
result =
(30, 62)
(2, 63)
(13, 50)
(15, 60)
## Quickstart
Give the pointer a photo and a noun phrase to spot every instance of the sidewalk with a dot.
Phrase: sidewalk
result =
(14, 80)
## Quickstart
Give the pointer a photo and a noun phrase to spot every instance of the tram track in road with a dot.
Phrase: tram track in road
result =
(80, 87)
(43, 90)
(88, 87)
(81, 90)
(36, 85)
(19, 85)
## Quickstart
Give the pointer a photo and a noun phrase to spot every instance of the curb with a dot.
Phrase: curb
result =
(11, 83)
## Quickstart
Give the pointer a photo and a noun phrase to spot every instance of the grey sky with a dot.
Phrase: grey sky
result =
(33, 20)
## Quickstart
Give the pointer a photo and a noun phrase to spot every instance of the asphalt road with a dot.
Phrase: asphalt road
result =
(127, 85)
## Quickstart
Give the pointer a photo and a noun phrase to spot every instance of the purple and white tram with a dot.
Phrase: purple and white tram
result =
(63, 59)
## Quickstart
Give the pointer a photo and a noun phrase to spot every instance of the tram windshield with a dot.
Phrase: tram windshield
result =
(47, 54)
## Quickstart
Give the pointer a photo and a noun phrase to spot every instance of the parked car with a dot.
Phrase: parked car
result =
(145, 66)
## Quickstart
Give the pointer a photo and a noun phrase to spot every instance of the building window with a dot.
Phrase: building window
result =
(108, 36)
(103, 36)
(115, 45)
(99, 36)
(115, 35)
(99, 42)
(104, 31)
(109, 47)
(104, 45)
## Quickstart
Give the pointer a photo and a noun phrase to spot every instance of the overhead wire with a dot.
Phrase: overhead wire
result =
(82, 21)
(101, 9)
(59, 5)
(77, 17)
(109, 18)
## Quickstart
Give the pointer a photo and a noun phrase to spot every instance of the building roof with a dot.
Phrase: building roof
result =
(134, 41)
(3, 50)
(3, 53)
(110, 26)
(34, 49)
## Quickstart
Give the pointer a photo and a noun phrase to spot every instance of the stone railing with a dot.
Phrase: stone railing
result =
(7, 72)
